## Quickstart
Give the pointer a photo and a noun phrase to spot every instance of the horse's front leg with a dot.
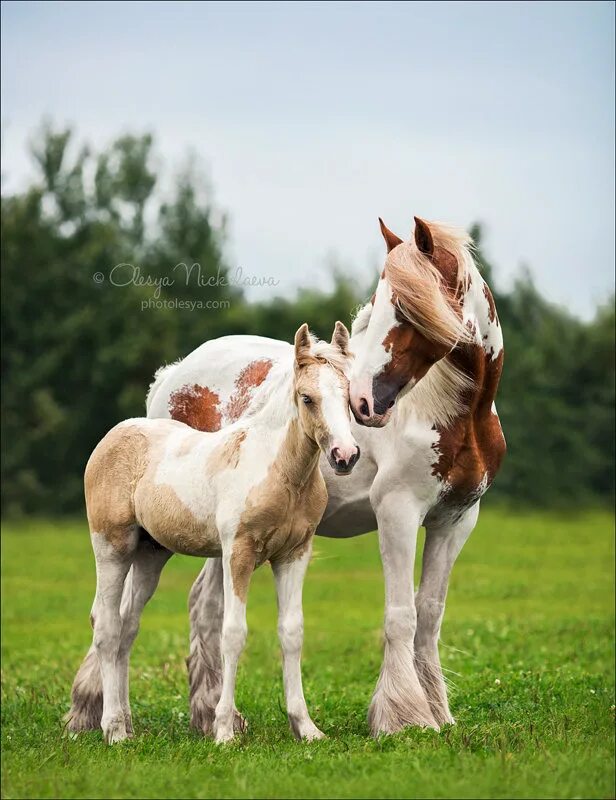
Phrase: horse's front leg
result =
(237, 571)
(443, 544)
(289, 577)
(399, 698)
(206, 606)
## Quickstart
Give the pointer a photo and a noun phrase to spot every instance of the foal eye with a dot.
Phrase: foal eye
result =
(306, 399)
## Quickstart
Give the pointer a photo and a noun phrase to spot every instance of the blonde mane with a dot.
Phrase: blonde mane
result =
(425, 302)
(325, 351)
(421, 294)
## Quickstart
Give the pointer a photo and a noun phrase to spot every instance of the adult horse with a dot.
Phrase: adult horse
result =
(428, 358)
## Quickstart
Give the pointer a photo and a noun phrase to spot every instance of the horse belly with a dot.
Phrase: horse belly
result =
(175, 525)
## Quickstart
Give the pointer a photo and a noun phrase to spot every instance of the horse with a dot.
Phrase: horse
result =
(247, 493)
(429, 353)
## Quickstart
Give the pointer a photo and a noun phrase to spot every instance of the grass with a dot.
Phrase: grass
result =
(527, 642)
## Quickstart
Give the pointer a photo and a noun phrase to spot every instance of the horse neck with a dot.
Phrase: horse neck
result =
(481, 358)
(480, 314)
(298, 455)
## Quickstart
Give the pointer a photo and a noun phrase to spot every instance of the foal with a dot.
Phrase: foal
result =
(250, 492)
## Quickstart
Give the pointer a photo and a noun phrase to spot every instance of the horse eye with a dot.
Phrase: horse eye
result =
(307, 400)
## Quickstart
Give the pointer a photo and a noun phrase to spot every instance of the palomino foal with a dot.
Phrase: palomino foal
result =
(249, 493)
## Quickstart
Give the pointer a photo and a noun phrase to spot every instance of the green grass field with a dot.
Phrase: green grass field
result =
(527, 640)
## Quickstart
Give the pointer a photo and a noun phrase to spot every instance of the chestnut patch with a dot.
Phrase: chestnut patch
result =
(196, 406)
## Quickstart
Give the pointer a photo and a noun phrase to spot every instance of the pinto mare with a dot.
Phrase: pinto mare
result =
(248, 493)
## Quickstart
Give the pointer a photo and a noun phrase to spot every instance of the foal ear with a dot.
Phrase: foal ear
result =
(423, 237)
(340, 338)
(391, 240)
(302, 344)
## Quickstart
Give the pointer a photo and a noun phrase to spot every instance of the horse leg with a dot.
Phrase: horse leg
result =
(87, 691)
(233, 639)
(206, 605)
(289, 577)
(140, 585)
(443, 544)
(112, 566)
(399, 698)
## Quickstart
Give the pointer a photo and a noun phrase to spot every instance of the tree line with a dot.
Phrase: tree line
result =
(78, 353)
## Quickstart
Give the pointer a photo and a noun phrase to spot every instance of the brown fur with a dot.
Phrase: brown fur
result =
(391, 240)
(249, 378)
(473, 446)
(282, 512)
(196, 406)
(227, 455)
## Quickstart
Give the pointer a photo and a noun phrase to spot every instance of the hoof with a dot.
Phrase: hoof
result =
(224, 735)
(202, 720)
(304, 729)
(115, 730)
(387, 715)
(313, 735)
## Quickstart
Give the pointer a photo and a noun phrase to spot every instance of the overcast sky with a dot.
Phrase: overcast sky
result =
(315, 118)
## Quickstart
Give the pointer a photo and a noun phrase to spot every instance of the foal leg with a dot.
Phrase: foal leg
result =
(141, 583)
(234, 631)
(112, 566)
(206, 606)
(87, 691)
(443, 544)
(399, 698)
(289, 577)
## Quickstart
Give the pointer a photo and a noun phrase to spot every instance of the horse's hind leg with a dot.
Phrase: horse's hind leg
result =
(442, 547)
(206, 607)
(87, 692)
(140, 585)
(114, 552)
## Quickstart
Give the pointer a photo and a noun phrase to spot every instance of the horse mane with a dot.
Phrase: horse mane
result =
(323, 351)
(421, 295)
(425, 302)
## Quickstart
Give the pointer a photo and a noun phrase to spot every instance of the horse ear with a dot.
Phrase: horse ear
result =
(391, 240)
(302, 344)
(423, 237)
(340, 338)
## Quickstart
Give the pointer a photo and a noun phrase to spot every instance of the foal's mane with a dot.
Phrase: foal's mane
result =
(325, 352)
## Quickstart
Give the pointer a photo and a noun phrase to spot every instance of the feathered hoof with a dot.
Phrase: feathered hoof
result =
(202, 720)
(389, 715)
(84, 717)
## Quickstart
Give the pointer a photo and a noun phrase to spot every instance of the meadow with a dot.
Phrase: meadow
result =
(527, 644)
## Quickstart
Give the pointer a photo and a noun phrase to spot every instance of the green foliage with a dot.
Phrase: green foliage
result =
(78, 355)
(527, 643)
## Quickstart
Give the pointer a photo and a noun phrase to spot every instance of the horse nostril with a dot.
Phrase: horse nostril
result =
(391, 405)
(364, 410)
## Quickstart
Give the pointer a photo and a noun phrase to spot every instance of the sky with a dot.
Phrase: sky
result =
(313, 119)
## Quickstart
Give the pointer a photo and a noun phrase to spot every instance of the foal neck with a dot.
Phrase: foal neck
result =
(298, 454)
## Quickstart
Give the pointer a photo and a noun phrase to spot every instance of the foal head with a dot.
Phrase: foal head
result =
(322, 395)
(415, 317)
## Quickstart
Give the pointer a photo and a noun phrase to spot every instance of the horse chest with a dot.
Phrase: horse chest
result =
(283, 524)
(468, 456)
